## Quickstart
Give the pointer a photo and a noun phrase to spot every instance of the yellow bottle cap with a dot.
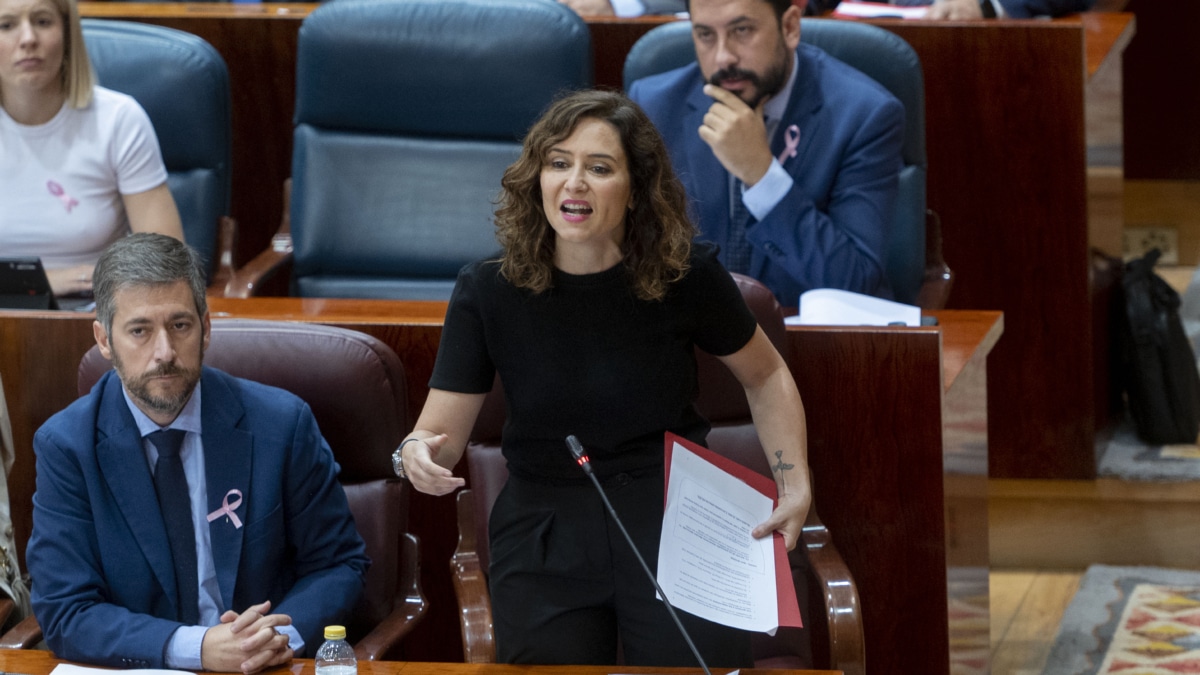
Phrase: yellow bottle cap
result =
(335, 632)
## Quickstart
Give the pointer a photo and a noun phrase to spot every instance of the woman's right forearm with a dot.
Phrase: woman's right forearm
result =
(431, 450)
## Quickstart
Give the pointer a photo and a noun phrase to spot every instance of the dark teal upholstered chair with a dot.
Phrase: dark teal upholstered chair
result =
(915, 269)
(182, 83)
(407, 114)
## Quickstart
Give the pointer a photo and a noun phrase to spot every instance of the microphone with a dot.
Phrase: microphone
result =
(585, 463)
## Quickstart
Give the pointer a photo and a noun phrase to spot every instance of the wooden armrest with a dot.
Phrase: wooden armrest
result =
(470, 588)
(267, 264)
(935, 289)
(25, 635)
(226, 243)
(245, 281)
(847, 650)
(939, 278)
(409, 611)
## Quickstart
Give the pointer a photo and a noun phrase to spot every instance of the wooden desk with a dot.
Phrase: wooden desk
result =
(1007, 175)
(36, 662)
(1106, 35)
(1005, 129)
(882, 441)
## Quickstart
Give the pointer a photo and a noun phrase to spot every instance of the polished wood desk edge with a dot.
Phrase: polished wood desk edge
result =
(1104, 33)
(273, 10)
(970, 330)
(1105, 37)
(332, 310)
(968, 336)
(313, 310)
(214, 10)
(965, 334)
(41, 662)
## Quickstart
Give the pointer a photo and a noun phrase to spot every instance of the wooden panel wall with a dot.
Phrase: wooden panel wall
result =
(1162, 101)
(1007, 175)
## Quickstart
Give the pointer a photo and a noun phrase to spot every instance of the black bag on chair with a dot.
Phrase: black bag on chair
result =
(1162, 383)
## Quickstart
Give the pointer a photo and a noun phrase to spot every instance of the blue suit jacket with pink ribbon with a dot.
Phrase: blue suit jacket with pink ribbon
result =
(99, 556)
(830, 230)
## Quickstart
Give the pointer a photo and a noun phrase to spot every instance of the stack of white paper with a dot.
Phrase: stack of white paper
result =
(832, 307)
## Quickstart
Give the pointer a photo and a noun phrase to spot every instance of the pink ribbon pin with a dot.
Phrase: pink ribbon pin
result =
(58, 191)
(227, 509)
(791, 137)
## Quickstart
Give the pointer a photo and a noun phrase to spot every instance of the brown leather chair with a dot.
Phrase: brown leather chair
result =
(832, 638)
(356, 388)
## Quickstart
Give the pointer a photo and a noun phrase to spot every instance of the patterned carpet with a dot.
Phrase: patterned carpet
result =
(1130, 621)
(1127, 457)
(970, 634)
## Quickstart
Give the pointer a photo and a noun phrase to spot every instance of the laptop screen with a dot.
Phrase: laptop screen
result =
(23, 284)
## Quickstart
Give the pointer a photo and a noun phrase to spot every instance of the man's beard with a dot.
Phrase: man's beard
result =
(139, 389)
(765, 86)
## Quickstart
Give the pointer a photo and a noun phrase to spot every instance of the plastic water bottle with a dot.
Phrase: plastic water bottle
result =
(336, 656)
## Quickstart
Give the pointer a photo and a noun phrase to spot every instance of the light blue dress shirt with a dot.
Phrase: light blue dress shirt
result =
(183, 649)
(766, 194)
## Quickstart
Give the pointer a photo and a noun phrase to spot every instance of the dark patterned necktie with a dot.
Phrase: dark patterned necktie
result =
(176, 507)
(737, 247)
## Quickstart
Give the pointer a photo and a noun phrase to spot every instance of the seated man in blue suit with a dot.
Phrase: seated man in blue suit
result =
(803, 198)
(183, 517)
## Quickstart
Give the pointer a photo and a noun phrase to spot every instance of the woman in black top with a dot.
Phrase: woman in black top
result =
(590, 315)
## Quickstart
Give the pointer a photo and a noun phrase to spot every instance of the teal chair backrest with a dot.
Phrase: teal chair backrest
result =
(407, 114)
(183, 85)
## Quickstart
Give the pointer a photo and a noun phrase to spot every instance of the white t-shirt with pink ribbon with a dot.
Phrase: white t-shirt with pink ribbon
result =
(61, 182)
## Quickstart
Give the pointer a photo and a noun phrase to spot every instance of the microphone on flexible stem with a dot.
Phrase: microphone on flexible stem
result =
(581, 458)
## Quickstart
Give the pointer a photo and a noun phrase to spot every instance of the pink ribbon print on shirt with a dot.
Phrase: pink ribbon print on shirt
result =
(58, 191)
(227, 509)
(791, 139)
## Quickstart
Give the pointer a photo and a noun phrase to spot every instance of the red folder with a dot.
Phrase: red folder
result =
(785, 590)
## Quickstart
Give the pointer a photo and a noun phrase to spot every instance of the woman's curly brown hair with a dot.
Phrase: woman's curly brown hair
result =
(658, 234)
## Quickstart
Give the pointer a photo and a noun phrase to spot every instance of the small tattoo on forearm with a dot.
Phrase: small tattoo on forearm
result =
(781, 466)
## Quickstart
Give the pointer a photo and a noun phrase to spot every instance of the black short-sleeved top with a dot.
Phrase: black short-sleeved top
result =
(587, 357)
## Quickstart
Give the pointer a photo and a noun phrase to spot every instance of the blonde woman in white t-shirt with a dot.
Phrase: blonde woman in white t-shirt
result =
(80, 165)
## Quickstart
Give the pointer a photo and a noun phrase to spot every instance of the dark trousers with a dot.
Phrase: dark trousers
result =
(566, 588)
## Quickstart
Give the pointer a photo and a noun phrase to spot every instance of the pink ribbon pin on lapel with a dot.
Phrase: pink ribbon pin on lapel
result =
(228, 509)
(58, 191)
(791, 137)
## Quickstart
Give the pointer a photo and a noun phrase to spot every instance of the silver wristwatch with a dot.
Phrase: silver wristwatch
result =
(398, 458)
(398, 462)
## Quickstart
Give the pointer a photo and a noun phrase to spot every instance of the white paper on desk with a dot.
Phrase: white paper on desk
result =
(878, 10)
(71, 669)
(708, 564)
(833, 307)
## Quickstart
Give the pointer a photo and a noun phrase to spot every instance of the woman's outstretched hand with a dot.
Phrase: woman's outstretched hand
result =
(424, 473)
